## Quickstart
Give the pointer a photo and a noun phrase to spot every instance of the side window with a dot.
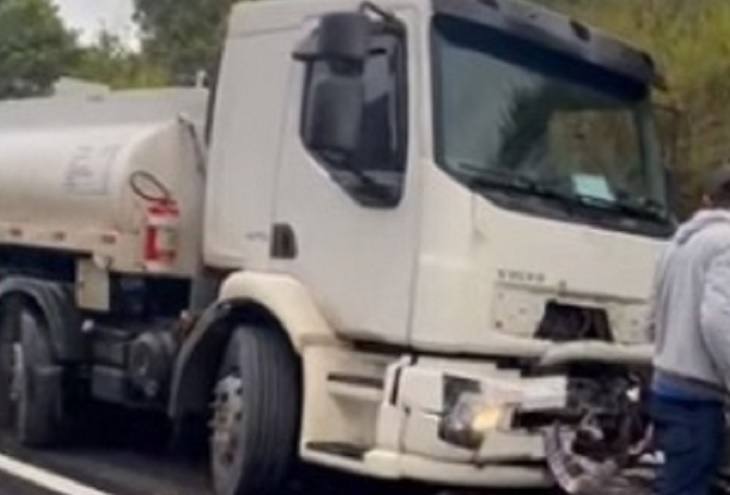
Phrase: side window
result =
(374, 173)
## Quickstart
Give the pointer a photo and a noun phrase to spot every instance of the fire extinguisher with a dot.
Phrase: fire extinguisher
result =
(162, 221)
(160, 249)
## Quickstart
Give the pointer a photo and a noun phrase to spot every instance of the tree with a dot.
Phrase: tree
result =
(109, 62)
(35, 47)
(185, 36)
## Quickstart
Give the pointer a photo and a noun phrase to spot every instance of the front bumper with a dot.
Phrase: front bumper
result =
(573, 475)
(457, 422)
(383, 417)
(449, 421)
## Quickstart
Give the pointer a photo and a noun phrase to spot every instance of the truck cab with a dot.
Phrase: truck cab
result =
(471, 195)
(484, 159)
(418, 241)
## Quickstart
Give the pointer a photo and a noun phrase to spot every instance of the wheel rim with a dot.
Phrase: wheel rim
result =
(227, 417)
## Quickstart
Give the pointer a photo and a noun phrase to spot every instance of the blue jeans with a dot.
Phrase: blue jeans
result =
(691, 436)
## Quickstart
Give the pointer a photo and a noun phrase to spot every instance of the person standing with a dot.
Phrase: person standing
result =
(690, 325)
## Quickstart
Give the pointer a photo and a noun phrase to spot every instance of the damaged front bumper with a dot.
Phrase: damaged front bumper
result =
(488, 415)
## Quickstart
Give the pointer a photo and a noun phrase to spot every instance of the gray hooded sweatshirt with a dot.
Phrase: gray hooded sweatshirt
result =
(690, 307)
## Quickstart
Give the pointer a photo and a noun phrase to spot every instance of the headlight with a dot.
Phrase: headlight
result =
(471, 413)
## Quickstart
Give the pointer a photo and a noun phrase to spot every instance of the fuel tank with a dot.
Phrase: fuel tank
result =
(80, 174)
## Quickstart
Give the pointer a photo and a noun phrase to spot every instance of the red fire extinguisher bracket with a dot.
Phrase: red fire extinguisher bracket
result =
(161, 234)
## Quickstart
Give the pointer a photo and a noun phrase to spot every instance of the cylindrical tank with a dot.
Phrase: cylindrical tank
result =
(85, 183)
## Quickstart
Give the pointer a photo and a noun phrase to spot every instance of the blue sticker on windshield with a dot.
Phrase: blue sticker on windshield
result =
(593, 186)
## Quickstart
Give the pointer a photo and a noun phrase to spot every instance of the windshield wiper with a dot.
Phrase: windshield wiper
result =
(649, 207)
(502, 179)
(628, 204)
(625, 204)
(490, 177)
(629, 208)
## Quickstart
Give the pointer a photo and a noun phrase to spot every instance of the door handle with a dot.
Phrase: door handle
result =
(283, 242)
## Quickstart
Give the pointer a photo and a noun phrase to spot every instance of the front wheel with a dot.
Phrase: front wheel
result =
(255, 413)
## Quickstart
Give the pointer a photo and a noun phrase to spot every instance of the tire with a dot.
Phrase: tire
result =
(255, 423)
(31, 403)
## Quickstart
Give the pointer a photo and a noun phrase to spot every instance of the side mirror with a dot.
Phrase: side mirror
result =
(334, 118)
(333, 121)
(344, 36)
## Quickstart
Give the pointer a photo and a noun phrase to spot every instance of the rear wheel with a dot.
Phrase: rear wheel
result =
(30, 380)
(255, 413)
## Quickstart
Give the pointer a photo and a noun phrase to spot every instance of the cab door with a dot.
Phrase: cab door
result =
(346, 221)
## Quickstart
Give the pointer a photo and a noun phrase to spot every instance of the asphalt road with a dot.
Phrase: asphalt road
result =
(107, 472)
(101, 471)
(112, 452)
(10, 485)
(114, 473)
(125, 455)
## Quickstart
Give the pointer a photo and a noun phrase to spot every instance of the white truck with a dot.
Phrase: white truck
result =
(400, 239)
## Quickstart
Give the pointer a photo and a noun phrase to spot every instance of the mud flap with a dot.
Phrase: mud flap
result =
(578, 475)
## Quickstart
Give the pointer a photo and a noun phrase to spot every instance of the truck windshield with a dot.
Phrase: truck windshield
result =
(520, 120)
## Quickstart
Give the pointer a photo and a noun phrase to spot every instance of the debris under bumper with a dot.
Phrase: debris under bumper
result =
(580, 475)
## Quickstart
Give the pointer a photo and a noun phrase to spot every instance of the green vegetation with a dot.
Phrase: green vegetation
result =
(183, 37)
(180, 39)
(35, 48)
(109, 62)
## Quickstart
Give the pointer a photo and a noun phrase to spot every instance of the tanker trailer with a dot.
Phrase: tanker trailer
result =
(100, 216)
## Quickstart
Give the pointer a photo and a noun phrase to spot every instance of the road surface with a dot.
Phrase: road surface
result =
(105, 472)
(119, 469)
(124, 456)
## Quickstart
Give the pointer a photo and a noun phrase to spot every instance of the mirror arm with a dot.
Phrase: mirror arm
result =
(389, 18)
(367, 6)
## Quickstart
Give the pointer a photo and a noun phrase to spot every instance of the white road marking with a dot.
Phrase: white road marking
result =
(45, 479)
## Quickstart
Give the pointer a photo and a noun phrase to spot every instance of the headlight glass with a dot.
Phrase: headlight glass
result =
(472, 413)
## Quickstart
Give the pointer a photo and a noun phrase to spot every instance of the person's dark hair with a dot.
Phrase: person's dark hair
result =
(717, 187)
